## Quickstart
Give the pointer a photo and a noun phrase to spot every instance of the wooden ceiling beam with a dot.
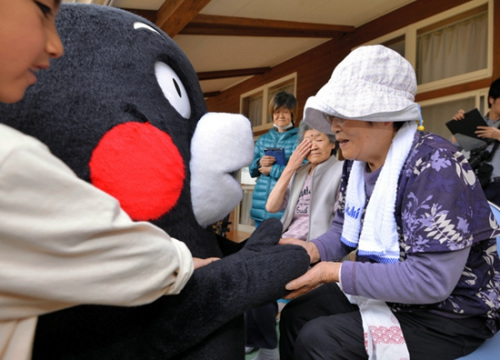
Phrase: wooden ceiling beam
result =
(174, 15)
(211, 94)
(221, 74)
(238, 26)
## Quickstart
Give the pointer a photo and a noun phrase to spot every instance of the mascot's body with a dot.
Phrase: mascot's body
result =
(123, 108)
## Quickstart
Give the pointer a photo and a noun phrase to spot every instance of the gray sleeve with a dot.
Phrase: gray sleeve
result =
(329, 245)
(423, 278)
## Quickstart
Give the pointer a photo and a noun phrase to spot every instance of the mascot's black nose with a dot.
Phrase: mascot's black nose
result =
(139, 165)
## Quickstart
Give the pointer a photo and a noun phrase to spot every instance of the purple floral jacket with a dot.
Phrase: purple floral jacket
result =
(442, 216)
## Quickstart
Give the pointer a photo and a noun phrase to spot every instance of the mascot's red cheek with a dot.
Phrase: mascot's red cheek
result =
(140, 166)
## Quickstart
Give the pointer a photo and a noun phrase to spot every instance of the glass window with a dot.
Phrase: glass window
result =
(253, 109)
(245, 222)
(435, 116)
(449, 49)
(396, 44)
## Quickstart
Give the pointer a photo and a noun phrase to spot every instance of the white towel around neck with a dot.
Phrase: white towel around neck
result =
(379, 237)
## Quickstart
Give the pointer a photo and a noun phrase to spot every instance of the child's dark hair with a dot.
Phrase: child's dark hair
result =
(283, 99)
(494, 91)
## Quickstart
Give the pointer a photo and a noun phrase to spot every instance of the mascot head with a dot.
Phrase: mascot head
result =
(124, 109)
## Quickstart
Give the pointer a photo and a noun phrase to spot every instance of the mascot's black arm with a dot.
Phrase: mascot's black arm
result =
(173, 324)
(229, 247)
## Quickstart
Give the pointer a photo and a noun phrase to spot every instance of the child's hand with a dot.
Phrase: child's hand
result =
(198, 262)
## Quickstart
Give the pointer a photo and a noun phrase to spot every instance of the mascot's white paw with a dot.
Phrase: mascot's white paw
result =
(222, 144)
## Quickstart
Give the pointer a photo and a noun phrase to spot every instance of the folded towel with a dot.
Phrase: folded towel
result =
(379, 237)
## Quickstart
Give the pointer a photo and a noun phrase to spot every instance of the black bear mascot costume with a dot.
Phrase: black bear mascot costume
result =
(124, 109)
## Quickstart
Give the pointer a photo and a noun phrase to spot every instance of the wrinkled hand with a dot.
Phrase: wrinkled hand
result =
(311, 249)
(488, 132)
(321, 273)
(198, 262)
(459, 115)
(299, 154)
(267, 160)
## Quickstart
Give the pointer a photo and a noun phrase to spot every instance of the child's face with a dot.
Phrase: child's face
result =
(28, 39)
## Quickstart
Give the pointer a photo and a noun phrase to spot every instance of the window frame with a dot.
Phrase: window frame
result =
(410, 33)
(480, 102)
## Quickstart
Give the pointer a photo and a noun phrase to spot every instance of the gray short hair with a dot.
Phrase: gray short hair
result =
(303, 127)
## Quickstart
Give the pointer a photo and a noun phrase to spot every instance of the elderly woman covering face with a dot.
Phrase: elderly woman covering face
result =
(425, 282)
(306, 192)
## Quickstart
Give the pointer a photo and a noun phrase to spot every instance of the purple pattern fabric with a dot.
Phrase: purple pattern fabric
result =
(441, 210)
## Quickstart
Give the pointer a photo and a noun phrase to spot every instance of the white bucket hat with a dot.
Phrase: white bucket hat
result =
(373, 83)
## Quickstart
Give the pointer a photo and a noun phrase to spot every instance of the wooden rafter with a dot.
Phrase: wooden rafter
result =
(182, 17)
(209, 75)
(174, 15)
(211, 94)
(238, 26)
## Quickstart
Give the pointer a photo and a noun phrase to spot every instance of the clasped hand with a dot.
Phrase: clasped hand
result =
(266, 162)
(322, 272)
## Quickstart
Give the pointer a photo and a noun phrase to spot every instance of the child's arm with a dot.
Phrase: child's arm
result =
(64, 242)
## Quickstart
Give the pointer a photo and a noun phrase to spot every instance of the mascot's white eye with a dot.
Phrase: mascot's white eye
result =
(173, 89)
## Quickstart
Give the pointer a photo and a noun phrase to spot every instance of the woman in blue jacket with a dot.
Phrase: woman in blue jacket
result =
(268, 168)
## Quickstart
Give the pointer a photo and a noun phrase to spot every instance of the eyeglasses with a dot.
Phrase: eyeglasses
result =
(338, 121)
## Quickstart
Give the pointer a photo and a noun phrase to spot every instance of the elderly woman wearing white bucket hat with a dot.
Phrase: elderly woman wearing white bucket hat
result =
(425, 282)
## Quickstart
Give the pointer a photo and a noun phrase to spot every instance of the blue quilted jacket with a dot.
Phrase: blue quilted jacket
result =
(265, 183)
